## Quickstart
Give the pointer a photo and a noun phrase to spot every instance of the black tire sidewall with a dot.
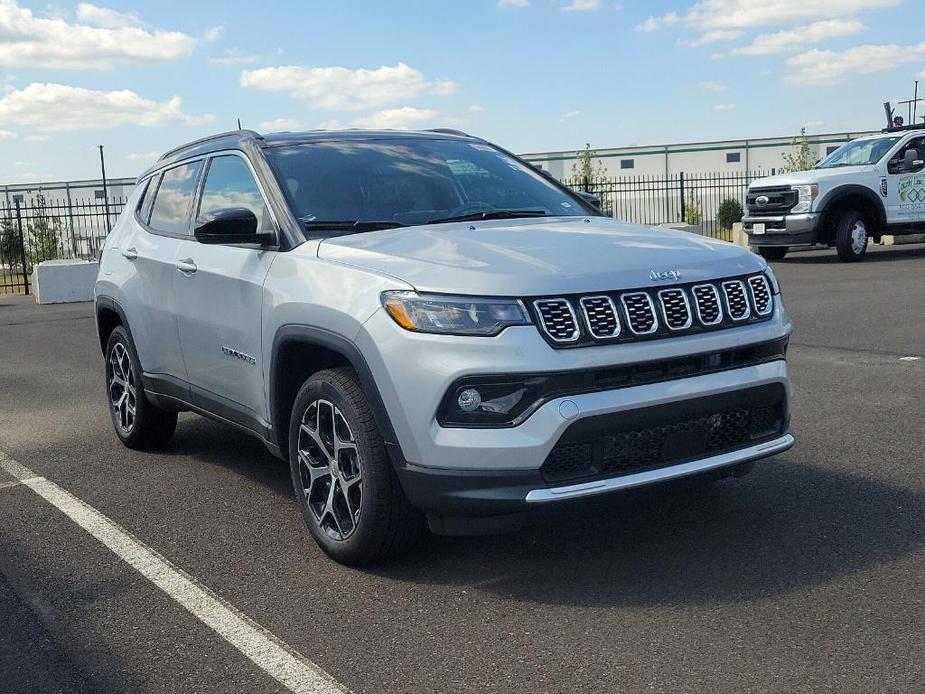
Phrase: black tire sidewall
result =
(362, 545)
(771, 253)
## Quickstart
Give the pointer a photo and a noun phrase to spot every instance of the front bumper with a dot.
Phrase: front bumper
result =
(782, 230)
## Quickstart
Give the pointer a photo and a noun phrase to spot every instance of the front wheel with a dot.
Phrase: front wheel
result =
(347, 491)
(773, 252)
(851, 237)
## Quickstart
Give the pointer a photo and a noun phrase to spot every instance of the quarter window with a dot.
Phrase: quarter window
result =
(174, 197)
(229, 183)
(144, 205)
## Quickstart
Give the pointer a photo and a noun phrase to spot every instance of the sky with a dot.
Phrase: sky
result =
(530, 75)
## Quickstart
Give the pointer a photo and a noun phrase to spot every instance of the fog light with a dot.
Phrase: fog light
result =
(469, 400)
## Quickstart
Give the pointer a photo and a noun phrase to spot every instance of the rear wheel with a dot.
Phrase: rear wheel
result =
(773, 252)
(137, 422)
(851, 237)
(344, 483)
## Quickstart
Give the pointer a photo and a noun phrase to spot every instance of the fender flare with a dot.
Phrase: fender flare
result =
(108, 303)
(320, 337)
(853, 190)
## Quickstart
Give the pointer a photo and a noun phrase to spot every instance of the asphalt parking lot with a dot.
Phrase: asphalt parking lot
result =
(808, 575)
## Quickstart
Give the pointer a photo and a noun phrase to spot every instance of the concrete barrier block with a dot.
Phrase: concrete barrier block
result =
(63, 281)
(739, 237)
(890, 240)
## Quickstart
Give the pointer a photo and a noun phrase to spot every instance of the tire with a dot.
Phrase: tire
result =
(348, 493)
(852, 234)
(138, 423)
(773, 252)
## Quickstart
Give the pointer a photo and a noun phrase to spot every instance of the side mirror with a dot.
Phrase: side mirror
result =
(591, 199)
(912, 160)
(228, 225)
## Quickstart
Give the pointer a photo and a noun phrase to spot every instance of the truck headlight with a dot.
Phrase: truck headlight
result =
(453, 315)
(805, 196)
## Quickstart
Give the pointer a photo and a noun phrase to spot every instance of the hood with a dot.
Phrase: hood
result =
(797, 178)
(533, 257)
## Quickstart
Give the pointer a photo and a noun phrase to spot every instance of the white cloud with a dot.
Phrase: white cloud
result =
(278, 124)
(53, 42)
(398, 118)
(146, 157)
(7, 135)
(709, 37)
(233, 57)
(105, 17)
(582, 6)
(60, 108)
(713, 87)
(37, 138)
(653, 23)
(799, 37)
(724, 107)
(826, 67)
(742, 14)
(513, 3)
(568, 115)
(214, 33)
(475, 108)
(343, 89)
(332, 124)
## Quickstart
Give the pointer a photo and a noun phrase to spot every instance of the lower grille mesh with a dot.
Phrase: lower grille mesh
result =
(664, 435)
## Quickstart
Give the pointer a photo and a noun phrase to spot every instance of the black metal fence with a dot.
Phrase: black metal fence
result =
(672, 198)
(37, 228)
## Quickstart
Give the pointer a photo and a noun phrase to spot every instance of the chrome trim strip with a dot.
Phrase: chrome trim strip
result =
(571, 310)
(629, 320)
(748, 305)
(616, 316)
(687, 305)
(716, 296)
(743, 455)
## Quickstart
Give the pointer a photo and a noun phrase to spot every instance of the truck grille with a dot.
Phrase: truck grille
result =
(576, 321)
(558, 319)
(654, 437)
(779, 201)
(600, 316)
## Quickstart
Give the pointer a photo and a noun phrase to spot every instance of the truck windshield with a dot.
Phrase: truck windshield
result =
(859, 153)
(367, 184)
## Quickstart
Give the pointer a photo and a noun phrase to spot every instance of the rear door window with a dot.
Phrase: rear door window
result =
(171, 211)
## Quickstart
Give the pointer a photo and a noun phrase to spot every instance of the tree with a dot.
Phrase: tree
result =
(9, 243)
(44, 232)
(587, 166)
(692, 213)
(730, 212)
(803, 159)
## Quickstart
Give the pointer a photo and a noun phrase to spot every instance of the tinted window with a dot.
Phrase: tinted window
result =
(627, 163)
(172, 203)
(229, 183)
(411, 180)
(144, 204)
(733, 157)
(859, 153)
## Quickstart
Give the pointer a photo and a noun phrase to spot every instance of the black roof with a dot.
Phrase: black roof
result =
(241, 139)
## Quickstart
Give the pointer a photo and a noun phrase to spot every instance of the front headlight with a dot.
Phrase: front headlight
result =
(805, 197)
(453, 315)
(772, 279)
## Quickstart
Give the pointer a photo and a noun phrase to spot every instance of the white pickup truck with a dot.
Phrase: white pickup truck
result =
(865, 189)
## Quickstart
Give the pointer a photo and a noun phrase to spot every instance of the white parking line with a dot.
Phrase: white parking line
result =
(281, 662)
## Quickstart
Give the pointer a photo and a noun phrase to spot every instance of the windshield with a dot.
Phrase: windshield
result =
(859, 153)
(378, 183)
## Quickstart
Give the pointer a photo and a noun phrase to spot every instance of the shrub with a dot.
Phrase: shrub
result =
(692, 214)
(730, 212)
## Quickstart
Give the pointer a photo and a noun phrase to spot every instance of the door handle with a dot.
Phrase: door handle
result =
(186, 266)
(130, 253)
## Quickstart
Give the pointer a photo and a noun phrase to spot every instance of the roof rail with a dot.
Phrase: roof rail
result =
(201, 140)
(447, 131)
(903, 128)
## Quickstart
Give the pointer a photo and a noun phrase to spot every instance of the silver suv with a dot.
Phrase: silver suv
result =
(431, 332)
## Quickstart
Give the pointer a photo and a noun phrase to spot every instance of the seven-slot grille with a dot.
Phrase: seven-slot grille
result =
(558, 319)
(600, 316)
(709, 310)
(676, 311)
(761, 294)
(641, 312)
(581, 320)
(736, 300)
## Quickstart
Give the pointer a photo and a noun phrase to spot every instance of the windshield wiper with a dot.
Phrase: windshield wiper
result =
(351, 225)
(489, 214)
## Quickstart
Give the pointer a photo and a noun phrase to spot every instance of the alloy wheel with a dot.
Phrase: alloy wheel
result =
(858, 237)
(329, 466)
(122, 393)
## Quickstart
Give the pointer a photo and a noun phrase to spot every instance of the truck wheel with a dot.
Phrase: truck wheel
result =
(773, 252)
(851, 237)
(346, 489)
(138, 423)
